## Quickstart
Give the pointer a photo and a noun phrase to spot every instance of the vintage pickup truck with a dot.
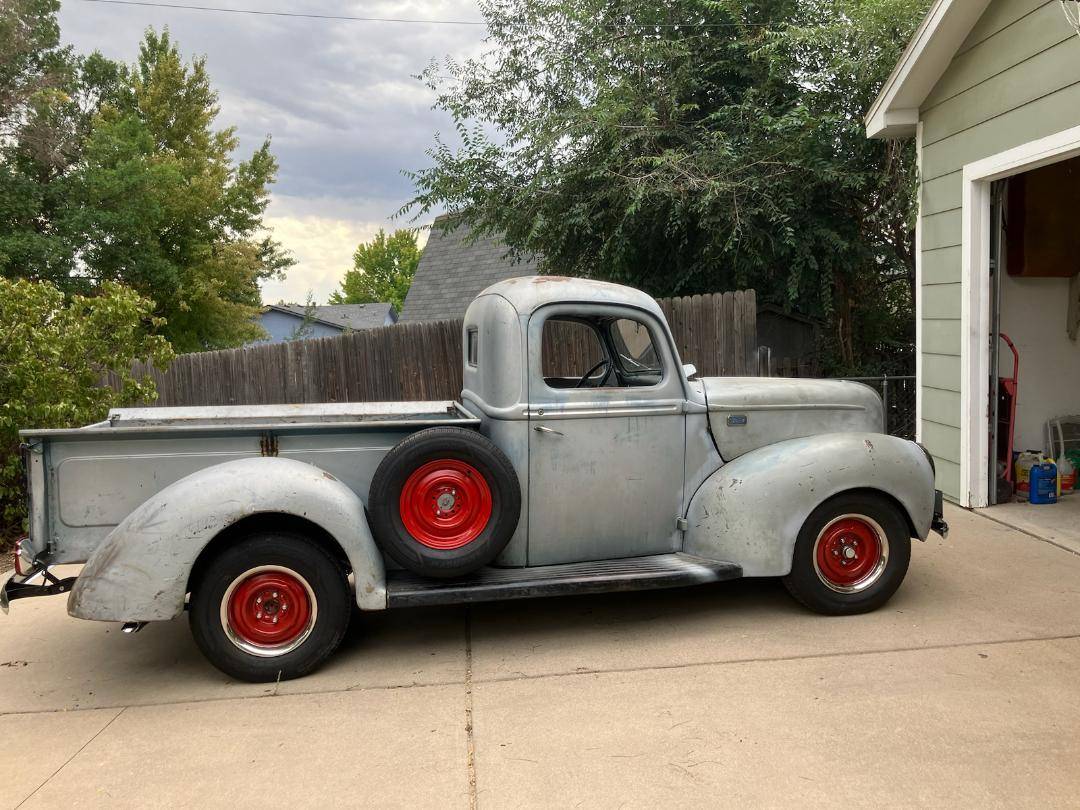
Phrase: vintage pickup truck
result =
(604, 468)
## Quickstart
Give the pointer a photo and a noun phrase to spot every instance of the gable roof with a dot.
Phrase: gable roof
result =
(895, 112)
(344, 316)
(453, 271)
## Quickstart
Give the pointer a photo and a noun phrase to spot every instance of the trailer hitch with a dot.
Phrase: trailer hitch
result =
(938, 523)
(19, 587)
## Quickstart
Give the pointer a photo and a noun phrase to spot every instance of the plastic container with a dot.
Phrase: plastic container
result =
(1043, 483)
(1066, 476)
(1024, 462)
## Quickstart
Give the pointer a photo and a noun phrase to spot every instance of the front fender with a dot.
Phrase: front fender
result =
(750, 511)
(140, 571)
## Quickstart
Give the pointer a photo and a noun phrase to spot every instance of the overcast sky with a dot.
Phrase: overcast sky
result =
(337, 98)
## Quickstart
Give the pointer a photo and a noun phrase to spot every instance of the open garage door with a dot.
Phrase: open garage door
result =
(1034, 404)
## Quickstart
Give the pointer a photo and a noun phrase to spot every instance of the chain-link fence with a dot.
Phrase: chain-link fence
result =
(898, 396)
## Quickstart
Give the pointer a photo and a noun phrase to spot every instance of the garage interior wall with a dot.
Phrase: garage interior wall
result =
(1033, 315)
(1015, 79)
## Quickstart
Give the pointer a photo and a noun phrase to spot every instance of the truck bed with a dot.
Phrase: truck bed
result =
(84, 481)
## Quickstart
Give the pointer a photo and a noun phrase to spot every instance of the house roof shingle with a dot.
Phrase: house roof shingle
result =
(451, 272)
(345, 316)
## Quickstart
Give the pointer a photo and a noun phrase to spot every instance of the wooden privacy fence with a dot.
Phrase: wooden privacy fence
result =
(421, 361)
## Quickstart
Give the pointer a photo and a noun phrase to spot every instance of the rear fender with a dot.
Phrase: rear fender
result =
(140, 572)
(750, 511)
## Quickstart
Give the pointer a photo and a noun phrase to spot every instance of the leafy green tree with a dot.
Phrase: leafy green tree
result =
(383, 270)
(46, 96)
(688, 147)
(53, 352)
(111, 172)
(158, 204)
(842, 51)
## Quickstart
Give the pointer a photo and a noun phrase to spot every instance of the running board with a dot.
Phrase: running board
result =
(405, 589)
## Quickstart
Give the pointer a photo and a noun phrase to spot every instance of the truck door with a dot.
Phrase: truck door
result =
(606, 435)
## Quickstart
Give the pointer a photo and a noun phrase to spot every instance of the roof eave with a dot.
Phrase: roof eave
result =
(888, 124)
(895, 111)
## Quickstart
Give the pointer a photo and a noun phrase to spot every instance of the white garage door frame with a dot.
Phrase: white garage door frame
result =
(975, 300)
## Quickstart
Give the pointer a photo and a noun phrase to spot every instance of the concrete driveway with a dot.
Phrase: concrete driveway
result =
(963, 691)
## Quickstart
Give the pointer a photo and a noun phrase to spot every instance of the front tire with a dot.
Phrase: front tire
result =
(271, 606)
(851, 555)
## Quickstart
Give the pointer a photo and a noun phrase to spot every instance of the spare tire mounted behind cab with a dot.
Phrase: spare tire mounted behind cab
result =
(444, 502)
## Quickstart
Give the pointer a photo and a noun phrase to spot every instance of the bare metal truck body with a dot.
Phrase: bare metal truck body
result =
(641, 477)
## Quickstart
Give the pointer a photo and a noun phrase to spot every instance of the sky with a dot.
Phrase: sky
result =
(338, 99)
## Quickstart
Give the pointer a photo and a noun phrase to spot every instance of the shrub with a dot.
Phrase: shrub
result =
(54, 352)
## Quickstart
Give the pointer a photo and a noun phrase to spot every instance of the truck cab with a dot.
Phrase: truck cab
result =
(581, 384)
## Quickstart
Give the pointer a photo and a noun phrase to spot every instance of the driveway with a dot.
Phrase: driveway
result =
(963, 691)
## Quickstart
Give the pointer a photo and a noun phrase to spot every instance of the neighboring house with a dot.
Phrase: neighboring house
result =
(452, 271)
(292, 321)
(990, 90)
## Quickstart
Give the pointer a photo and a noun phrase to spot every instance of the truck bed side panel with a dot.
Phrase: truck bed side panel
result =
(142, 569)
(94, 485)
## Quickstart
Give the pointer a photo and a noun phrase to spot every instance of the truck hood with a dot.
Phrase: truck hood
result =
(750, 412)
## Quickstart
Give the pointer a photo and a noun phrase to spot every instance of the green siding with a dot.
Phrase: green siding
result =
(1037, 119)
(944, 439)
(1042, 75)
(948, 476)
(942, 266)
(941, 336)
(999, 16)
(1015, 79)
(942, 407)
(940, 301)
(942, 194)
(941, 371)
(941, 230)
(1025, 39)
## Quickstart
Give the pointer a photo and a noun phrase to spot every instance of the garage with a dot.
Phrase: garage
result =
(990, 91)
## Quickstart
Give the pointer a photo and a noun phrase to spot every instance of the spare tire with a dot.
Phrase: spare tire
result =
(444, 502)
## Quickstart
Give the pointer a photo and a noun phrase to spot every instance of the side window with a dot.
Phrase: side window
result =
(599, 352)
(635, 352)
(471, 349)
(572, 351)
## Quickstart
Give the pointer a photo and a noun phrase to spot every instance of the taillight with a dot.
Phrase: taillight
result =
(24, 559)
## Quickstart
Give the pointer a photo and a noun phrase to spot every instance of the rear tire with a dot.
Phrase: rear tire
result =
(444, 502)
(851, 555)
(270, 606)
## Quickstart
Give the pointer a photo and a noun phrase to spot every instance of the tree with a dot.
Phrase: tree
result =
(53, 353)
(46, 100)
(383, 270)
(842, 51)
(305, 328)
(685, 147)
(116, 173)
(159, 205)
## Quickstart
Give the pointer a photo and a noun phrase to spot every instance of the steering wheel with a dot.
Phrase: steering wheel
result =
(591, 371)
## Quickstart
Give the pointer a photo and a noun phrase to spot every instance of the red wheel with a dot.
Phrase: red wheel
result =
(268, 611)
(851, 553)
(445, 504)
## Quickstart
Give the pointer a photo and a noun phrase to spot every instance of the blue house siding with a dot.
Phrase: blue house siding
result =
(281, 326)
(281, 321)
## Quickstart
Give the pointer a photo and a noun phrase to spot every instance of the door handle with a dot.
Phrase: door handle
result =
(546, 429)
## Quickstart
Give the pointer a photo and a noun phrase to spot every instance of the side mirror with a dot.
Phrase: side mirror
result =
(689, 370)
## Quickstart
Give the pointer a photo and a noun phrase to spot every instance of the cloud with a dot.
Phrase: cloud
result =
(337, 98)
(322, 243)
